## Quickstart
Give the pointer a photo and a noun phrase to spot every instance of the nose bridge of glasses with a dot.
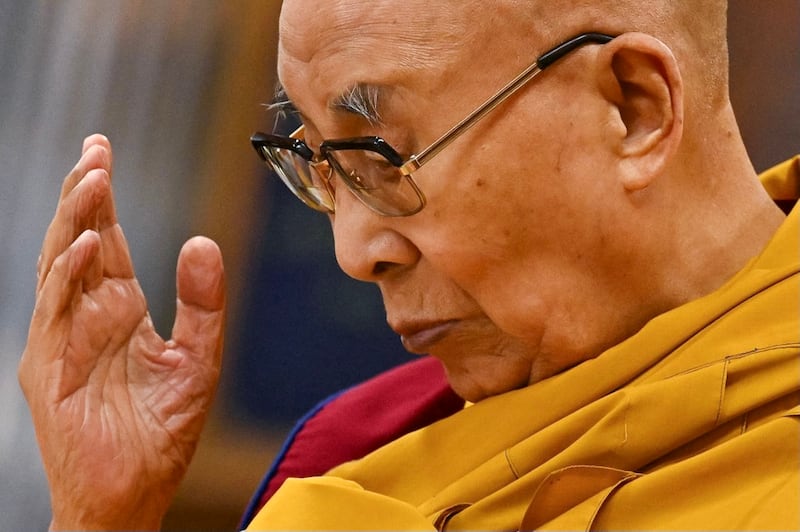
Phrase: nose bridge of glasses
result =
(318, 163)
(323, 168)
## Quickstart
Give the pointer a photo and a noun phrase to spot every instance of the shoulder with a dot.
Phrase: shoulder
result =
(354, 422)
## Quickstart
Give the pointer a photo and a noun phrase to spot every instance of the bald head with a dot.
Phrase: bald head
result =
(415, 33)
(695, 31)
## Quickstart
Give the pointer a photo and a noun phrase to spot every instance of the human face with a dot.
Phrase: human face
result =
(512, 271)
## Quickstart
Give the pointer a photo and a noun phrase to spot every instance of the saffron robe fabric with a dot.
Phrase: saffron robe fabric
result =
(692, 423)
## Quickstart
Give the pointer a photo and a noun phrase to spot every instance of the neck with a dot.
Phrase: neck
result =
(727, 217)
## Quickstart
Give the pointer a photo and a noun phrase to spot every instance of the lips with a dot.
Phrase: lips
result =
(420, 337)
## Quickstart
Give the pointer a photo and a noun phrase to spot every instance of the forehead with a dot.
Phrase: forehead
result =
(327, 47)
(310, 29)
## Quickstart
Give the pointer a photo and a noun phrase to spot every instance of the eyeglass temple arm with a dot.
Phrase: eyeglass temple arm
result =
(550, 57)
(545, 60)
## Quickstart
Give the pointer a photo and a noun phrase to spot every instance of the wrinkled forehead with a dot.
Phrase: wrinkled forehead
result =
(310, 29)
(326, 46)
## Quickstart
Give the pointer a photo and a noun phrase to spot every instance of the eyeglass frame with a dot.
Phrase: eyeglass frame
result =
(296, 144)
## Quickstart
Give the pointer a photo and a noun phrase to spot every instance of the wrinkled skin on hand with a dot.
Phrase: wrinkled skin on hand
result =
(117, 409)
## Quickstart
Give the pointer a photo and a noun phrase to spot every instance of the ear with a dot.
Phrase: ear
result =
(639, 77)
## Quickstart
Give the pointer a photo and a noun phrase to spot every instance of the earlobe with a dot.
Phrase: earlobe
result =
(640, 79)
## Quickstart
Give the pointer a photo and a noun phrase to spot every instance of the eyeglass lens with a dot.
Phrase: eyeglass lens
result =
(376, 181)
(301, 178)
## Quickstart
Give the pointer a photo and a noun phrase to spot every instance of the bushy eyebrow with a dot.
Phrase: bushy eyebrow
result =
(361, 99)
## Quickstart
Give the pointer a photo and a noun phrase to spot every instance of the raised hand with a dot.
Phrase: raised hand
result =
(117, 409)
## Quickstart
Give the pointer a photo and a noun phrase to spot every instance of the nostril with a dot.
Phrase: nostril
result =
(381, 267)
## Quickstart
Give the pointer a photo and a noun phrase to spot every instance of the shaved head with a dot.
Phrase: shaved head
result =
(696, 31)
(414, 34)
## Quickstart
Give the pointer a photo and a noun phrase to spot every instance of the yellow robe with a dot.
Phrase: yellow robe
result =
(692, 423)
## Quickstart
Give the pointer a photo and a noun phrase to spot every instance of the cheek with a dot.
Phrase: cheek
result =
(473, 233)
(511, 224)
(522, 273)
(492, 218)
(483, 255)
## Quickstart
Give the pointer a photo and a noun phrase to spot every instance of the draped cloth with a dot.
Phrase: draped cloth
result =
(692, 423)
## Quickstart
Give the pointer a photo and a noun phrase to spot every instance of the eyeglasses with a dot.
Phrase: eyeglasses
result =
(370, 168)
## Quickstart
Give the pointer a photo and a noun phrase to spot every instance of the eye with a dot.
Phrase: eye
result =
(356, 179)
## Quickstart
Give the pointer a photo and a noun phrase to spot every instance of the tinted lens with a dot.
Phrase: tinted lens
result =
(303, 180)
(377, 182)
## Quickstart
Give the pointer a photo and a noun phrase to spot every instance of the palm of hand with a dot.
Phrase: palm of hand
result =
(108, 399)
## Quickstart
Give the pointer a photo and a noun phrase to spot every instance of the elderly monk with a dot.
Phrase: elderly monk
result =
(555, 202)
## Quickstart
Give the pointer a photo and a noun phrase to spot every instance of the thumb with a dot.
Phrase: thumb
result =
(200, 316)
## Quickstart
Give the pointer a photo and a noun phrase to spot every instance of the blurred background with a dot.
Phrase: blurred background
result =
(178, 86)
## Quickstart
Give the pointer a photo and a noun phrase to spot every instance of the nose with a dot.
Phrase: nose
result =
(368, 245)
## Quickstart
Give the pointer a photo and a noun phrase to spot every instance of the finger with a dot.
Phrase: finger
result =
(94, 274)
(107, 215)
(117, 262)
(199, 320)
(116, 259)
(107, 211)
(63, 285)
(95, 153)
(76, 213)
(91, 159)
(96, 139)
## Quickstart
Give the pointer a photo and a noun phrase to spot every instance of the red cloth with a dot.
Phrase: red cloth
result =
(361, 419)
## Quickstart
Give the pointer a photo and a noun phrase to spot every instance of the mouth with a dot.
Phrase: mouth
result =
(419, 337)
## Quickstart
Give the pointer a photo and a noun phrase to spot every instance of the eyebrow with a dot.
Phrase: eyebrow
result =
(361, 99)
(281, 102)
(282, 107)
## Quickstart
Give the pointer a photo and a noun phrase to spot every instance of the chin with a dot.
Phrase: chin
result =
(476, 386)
